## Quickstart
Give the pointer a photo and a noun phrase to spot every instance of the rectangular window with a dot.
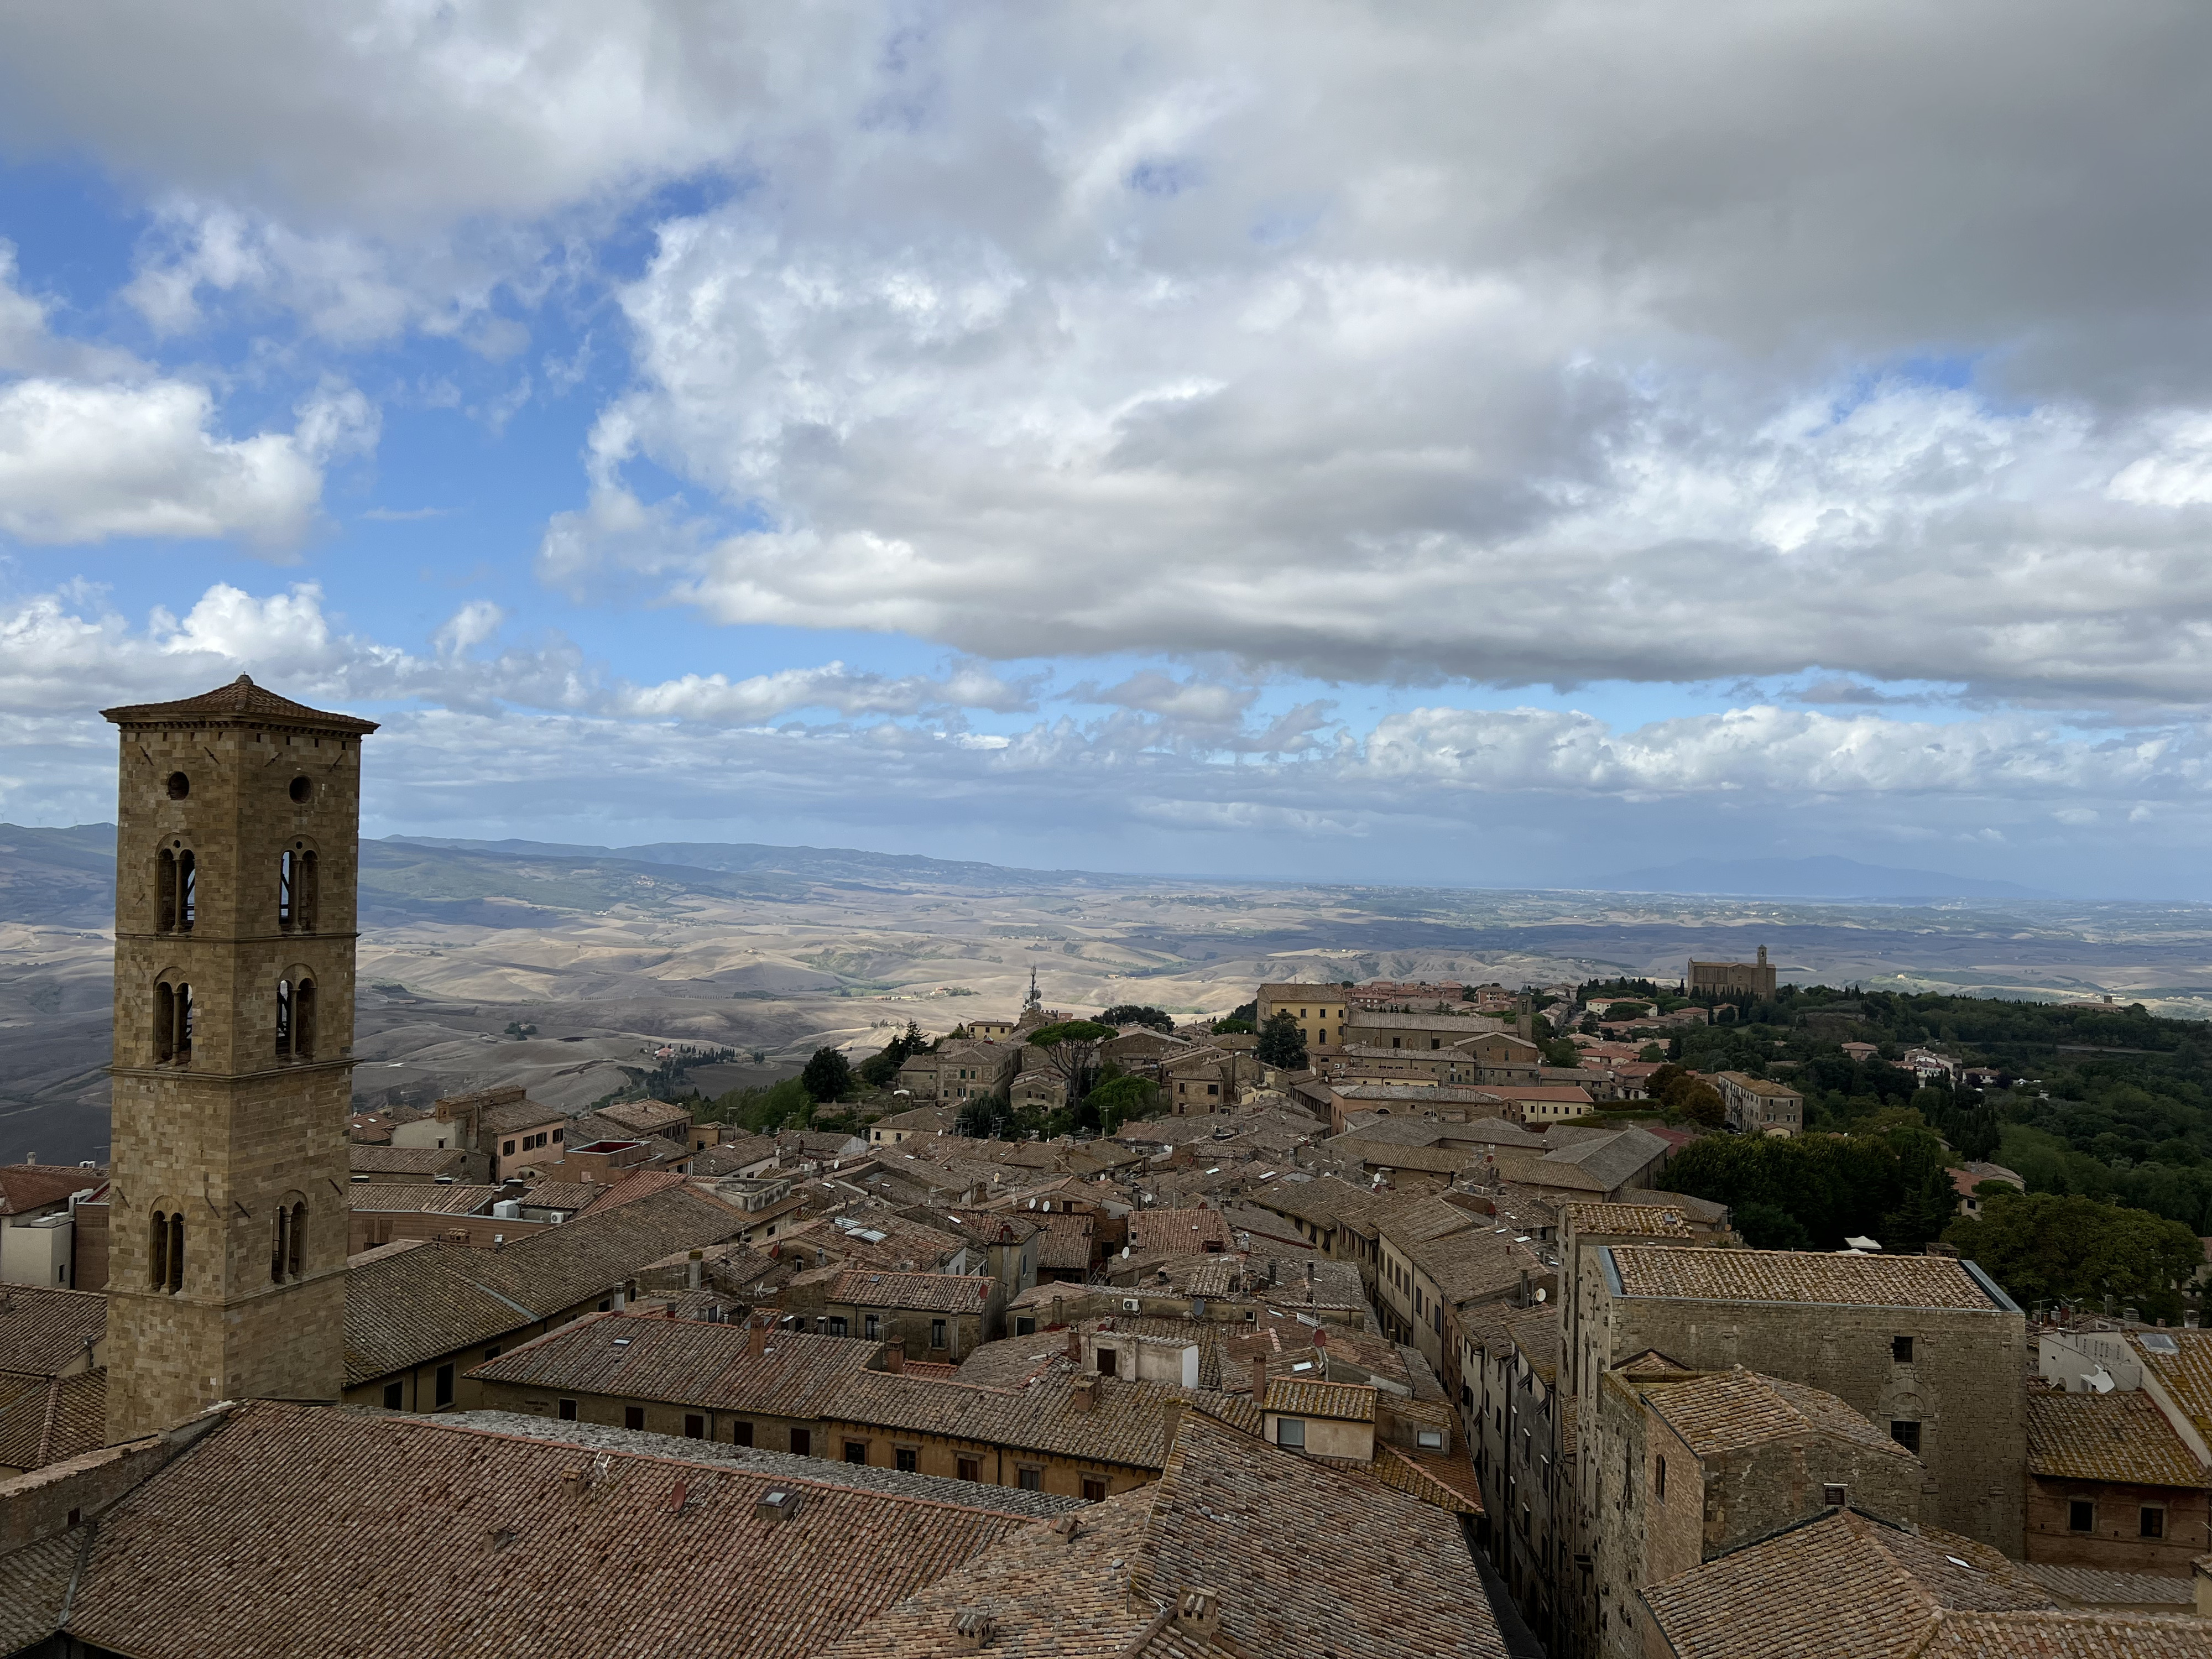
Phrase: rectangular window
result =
(1030, 1478)
(1659, 1480)
(1906, 1434)
(2153, 1522)
(1900, 1350)
(1291, 1431)
(1832, 1497)
(908, 1458)
(391, 1396)
(695, 1426)
(1094, 1488)
(567, 1412)
(444, 1385)
(2080, 1515)
(871, 1326)
(507, 1149)
(936, 1333)
(837, 1325)
(856, 1451)
(1026, 1326)
(802, 1442)
(1429, 1439)
(633, 1416)
(741, 1434)
(970, 1468)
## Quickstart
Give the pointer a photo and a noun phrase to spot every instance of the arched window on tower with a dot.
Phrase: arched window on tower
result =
(165, 1257)
(173, 1025)
(303, 1019)
(188, 890)
(164, 892)
(296, 1242)
(295, 890)
(280, 1240)
(283, 1017)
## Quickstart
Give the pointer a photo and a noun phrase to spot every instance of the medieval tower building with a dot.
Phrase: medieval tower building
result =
(237, 827)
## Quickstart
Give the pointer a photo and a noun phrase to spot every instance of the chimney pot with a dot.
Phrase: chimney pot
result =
(895, 1356)
(756, 1338)
(1259, 1378)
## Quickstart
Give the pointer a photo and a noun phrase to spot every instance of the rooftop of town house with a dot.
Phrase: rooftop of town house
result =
(946, 1293)
(685, 1362)
(2120, 1436)
(1844, 1279)
(1308, 1560)
(44, 1331)
(231, 1548)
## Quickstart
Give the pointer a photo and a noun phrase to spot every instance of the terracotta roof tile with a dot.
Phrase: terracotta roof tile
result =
(1343, 1402)
(2121, 1436)
(240, 702)
(956, 1293)
(685, 1362)
(35, 1584)
(1309, 1559)
(1841, 1279)
(1128, 1424)
(1844, 1587)
(405, 1308)
(2065, 1636)
(44, 1331)
(291, 1530)
(27, 1187)
(2186, 1373)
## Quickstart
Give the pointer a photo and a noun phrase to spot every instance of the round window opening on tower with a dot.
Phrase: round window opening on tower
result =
(301, 788)
(180, 786)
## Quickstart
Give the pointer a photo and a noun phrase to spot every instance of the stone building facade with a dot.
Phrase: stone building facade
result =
(1927, 1348)
(1733, 978)
(238, 817)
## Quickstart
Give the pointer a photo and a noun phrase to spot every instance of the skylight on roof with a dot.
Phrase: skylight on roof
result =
(2159, 1342)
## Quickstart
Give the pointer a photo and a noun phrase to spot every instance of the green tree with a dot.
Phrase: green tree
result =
(880, 1070)
(1233, 1026)
(1561, 1053)
(2052, 1247)
(1134, 1013)
(1695, 1098)
(1122, 1099)
(1281, 1043)
(1071, 1051)
(828, 1077)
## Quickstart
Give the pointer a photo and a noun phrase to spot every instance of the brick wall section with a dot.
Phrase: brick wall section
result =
(227, 1137)
(2115, 1541)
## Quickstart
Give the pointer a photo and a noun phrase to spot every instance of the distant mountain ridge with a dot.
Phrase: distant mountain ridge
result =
(804, 863)
(1811, 878)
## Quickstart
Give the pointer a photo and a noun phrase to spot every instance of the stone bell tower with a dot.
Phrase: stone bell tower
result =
(238, 827)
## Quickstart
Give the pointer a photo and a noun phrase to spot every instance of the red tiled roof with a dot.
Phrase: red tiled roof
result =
(236, 704)
(298, 1530)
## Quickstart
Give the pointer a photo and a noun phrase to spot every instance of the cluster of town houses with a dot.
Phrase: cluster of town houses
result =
(1356, 1362)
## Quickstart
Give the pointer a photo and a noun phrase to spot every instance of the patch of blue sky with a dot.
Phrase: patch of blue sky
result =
(1165, 176)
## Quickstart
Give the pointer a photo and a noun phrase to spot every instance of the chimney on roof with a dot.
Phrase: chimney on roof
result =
(573, 1484)
(1197, 1611)
(756, 1338)
(1084, 1396)
(972, 1630)
(1524, 1287)
(895, 1356)
(1259, 1377)
(1074, 1343)
(697, 1268)
(1060, 1310)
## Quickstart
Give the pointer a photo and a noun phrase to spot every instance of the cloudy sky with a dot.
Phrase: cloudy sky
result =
(1502, 444)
